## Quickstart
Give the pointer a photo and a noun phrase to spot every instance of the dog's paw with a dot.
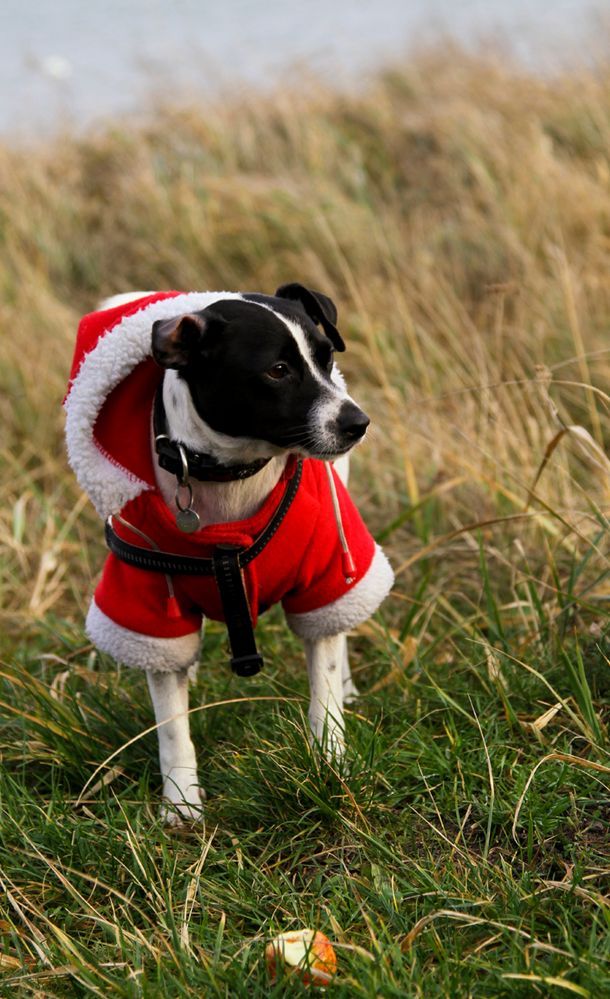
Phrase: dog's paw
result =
(175, 813)
(334, 754)
(329, 741)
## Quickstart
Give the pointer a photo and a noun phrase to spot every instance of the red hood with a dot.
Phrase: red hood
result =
(110, 393)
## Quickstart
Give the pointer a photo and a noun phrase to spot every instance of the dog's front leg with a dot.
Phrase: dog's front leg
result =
(169, 693)
(325, 663)
(350, 690)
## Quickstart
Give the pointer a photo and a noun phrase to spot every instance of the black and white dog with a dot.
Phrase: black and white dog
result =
(203, 425)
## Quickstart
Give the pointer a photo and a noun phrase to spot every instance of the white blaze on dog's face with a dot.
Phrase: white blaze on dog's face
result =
(255, 376)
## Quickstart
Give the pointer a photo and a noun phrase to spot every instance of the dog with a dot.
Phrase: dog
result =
(212, 431)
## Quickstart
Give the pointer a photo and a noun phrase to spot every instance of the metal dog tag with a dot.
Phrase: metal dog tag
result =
(187, 520)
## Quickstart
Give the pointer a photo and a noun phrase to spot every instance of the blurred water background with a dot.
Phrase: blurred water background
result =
(68, 62)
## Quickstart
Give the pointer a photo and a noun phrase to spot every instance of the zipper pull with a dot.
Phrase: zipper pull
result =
(173, 608)
(348, 566)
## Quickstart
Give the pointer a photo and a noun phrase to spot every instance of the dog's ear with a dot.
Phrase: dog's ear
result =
(176, 341)
(318, 307)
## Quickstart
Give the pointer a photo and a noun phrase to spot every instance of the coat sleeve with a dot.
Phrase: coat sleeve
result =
(325, 601)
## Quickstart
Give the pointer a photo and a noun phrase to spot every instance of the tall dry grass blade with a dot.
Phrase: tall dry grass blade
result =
(575, 761)
(547, 454)
(154, 728)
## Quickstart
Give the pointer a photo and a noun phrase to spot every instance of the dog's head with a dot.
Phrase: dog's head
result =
(261, 368)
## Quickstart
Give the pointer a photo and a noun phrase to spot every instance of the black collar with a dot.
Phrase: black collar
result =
(203, 467)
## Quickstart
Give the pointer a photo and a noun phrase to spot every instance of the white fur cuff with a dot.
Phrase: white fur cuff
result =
(351, 609)
(163, 655)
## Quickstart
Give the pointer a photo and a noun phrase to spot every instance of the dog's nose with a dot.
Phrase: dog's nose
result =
(352, 422)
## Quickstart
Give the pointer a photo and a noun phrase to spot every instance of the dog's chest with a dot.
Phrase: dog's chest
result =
(222, 502)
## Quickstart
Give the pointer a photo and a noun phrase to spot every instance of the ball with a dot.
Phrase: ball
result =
(308, 954)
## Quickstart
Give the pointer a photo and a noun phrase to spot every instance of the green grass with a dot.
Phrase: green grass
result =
(459, 214)
(408, 861)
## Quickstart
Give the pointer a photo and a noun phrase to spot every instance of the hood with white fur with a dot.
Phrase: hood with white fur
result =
(109, 445)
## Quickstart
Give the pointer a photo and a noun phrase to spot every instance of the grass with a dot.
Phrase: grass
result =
(459, 214)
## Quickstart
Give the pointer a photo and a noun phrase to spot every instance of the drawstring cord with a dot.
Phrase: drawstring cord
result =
(347, 563)
(173, 607)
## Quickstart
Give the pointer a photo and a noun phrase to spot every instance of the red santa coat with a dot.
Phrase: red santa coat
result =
(108, 408)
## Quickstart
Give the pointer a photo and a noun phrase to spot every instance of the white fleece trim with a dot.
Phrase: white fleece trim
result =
(123, 299)
(115, 355)
(163, 655)
(352, 608)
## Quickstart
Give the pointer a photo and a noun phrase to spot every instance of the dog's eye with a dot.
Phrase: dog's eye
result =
(278, 371)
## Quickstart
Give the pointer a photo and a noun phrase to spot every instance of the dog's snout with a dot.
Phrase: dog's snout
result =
(352, 422)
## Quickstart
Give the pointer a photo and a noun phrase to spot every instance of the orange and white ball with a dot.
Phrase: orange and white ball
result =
(308, 954)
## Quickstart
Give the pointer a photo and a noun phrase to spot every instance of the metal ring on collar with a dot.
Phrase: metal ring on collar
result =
(184, 485)
(183, 478)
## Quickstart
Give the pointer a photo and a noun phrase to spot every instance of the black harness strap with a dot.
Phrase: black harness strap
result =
(245, 657)
(226, 565)
(153, 560)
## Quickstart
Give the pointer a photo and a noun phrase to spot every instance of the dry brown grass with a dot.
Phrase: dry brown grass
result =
(458, 212)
